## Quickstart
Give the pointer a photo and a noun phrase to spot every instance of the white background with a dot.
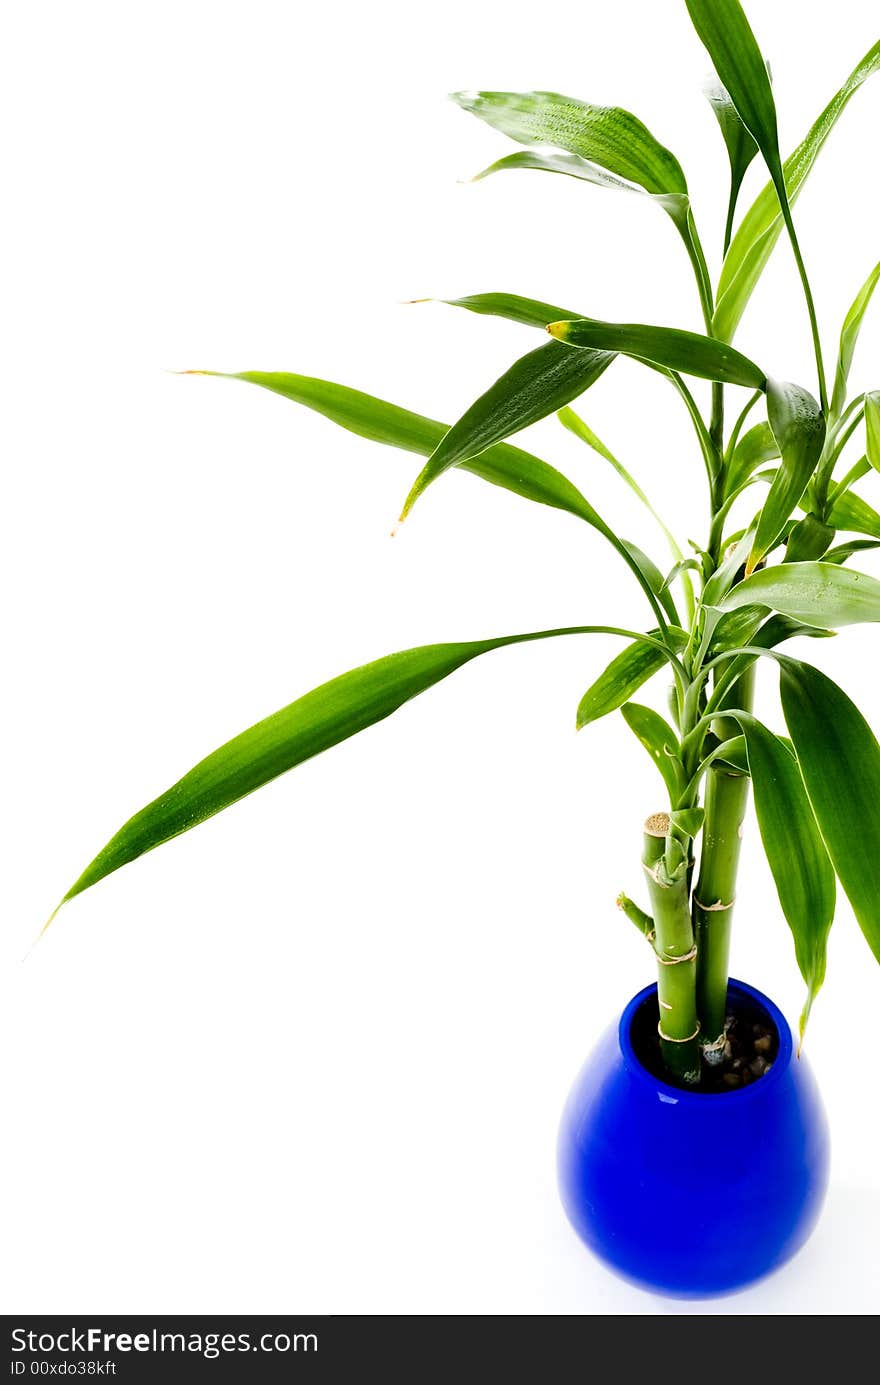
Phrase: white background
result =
(312, 1055)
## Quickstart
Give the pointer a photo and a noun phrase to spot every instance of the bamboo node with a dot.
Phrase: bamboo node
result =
(674, 961)
(669, 1040)
(716, 908)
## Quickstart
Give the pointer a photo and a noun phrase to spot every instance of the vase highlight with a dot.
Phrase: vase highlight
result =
(689, 1193)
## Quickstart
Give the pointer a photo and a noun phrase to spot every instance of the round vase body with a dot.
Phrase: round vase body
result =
(689, 1193)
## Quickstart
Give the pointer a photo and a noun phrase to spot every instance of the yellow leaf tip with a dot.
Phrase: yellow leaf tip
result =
(407, 302)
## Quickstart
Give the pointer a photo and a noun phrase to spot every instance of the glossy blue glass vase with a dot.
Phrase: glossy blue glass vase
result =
(688, 1193)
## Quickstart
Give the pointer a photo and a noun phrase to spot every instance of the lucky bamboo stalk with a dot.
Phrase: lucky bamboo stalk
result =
(676, 954)
(726, 798)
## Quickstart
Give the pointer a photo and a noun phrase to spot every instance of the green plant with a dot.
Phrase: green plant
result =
(716, 614)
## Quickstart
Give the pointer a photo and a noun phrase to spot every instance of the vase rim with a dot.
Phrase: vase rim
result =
(665, 1090)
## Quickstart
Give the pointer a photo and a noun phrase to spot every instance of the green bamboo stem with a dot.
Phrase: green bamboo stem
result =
(676, 955)
(725, 804)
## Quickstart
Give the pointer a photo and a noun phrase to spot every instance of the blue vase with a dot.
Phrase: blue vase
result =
(689, 1193)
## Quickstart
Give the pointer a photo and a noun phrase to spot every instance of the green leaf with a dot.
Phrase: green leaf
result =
(795, 851)
(849, 335)
(732, 755)
(687, 821)
(824, 595)
(321, 719)
(654, 579)
(571, 166)
(669, 347)
(368, 417)
(839, 760)
(799, 429)
(850, 512)
(808, 540)
(725, 575)
(847, 550)
(581, 430)
(728, 38)
(753, 450)
(624, 675)
(741, 145)
(748, 625)
(872, 428)
(761, 226)
(531, 312)
(536, 385)
(660, 741)
(684, 565)
(604, 135)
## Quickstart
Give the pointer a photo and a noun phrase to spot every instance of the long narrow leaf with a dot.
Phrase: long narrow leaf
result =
(321, 719)
(790, 835)
(872, 428)
(605, 135)
(728, 38)
(844, 551)
(853, 514)
(824, 595)
(531, 312)
(760, 228)
(536, 385)
(624, 675)
(839, 759)
(799, 429)
(688, 352)
(849, 335)
(502, 465)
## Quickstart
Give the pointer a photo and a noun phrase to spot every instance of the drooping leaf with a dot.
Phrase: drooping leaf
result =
(321, 719)
(844, 551)
(824, 595)
(570, 165)
(872, 428)
(688, 352)
(799, 429)
(604, 135)
(839, 760)
(736, 57)
(536, 385)
(531, 312)
(624, 675)
(761, 226)
(660, 741)
(853, 514)
(753, 450)
(503, 465)
(852, 325)
(794, 848)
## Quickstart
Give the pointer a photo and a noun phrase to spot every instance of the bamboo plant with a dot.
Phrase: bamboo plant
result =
(782, 489)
